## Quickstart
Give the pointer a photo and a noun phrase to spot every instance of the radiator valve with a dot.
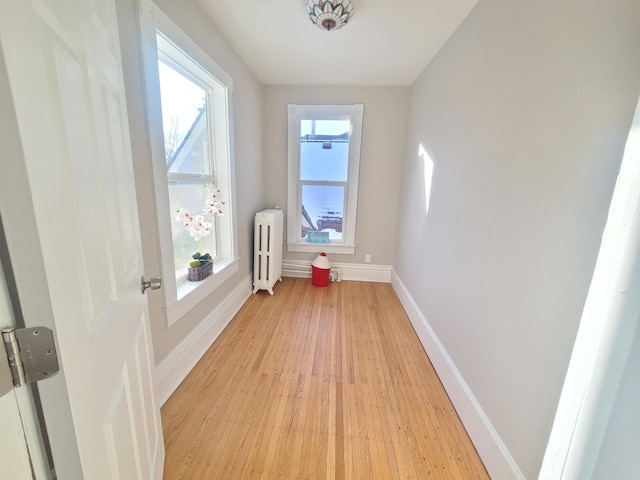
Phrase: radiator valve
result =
(335, 275)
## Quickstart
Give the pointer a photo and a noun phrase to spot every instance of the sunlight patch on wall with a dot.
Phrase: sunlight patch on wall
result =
(427, 165)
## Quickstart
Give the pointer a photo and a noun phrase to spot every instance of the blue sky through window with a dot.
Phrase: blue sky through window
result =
(182, 102)
(324, 157)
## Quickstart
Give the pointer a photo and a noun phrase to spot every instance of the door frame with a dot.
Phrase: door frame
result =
(29, 413)
(606, 329)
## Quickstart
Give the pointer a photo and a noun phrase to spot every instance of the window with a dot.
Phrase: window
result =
(324, 158)
(186, 92)
(189, 100)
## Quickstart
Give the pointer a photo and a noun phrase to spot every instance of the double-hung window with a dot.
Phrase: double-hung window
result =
(192, 160)
(187, 100)
(324, 159)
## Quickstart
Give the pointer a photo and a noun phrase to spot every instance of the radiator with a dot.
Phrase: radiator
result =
(267, 256)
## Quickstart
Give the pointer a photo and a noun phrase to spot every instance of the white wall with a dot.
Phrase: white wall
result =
(383, 130)
(247, 135)
(524, 114)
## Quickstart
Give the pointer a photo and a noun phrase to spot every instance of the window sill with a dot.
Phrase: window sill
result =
(192, 293)
(321, 247)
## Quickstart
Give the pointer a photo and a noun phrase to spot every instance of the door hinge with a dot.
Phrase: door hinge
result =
(31, 354)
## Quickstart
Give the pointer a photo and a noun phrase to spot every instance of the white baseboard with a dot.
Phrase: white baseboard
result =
(494, 454)
(348, 271)
(177, 365)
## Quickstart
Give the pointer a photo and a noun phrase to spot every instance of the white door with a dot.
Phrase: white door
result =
(77, 199)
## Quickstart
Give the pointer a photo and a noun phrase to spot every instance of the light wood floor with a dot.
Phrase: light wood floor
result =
(316, 383)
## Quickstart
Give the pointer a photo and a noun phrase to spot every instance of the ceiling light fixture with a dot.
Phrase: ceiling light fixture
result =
(330, 14)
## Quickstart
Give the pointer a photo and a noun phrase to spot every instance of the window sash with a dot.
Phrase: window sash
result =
(190, 178)
(345, 189)
(209, 244)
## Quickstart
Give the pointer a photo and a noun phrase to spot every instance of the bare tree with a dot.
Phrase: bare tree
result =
(172, 139)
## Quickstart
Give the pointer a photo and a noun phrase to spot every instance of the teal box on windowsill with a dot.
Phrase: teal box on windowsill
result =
(318, 237)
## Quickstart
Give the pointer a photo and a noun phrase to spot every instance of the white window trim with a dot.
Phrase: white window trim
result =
(295, 113)
(180, 297)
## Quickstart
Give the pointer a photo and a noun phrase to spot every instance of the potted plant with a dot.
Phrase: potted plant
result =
(200, 267)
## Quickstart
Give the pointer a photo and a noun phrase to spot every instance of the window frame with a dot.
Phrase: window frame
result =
(180, 295)
(296, 113)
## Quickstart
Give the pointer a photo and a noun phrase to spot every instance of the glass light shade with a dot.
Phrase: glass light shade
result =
(330, 14)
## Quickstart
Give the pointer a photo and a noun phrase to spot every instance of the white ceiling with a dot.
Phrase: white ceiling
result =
(386, 42)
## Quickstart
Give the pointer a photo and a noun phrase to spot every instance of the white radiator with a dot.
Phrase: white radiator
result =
(267, 256)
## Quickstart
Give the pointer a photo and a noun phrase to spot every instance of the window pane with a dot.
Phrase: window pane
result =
(324, 150)
(322, 210)
(191, 197)
(184, 119)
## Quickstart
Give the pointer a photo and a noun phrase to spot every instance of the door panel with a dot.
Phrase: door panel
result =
(64, 68)
(131, 396)
(91, 232)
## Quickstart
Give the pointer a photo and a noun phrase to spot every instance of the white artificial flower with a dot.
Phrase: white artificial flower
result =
(184, 217)
(213, 205)
(199, 228)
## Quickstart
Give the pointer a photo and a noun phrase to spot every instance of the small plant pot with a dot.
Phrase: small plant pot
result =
(199, 273)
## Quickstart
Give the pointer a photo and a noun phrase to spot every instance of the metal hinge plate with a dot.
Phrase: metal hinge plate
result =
(30, 353)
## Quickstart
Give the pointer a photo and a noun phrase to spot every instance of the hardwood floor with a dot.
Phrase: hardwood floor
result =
(316, 383)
